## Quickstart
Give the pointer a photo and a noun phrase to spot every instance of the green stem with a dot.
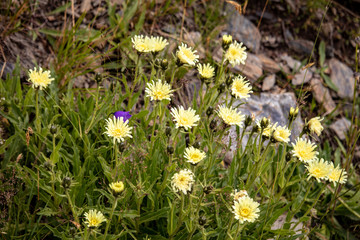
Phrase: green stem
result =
(230, 225)
(95, 110)
(180, 222)
(72, 206)
(37, 116)
(111, 215)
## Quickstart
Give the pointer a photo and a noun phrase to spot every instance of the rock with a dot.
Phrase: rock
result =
(194, 40)
(343, 78)
(274, 106)
(302, 76)
(268, 64)
(268, 82)
(8, 69)
(252, 68)
(290, 62)
(301, 46)
(243, 30)
(279, 223)
(322, 94)
(340, 127)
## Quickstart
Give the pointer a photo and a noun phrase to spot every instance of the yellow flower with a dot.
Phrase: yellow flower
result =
(304, 150)
(314, 125)
(231, 116)
(282, 134)
(227, 39)
(236, 54)
(158, 90)
(194, 155)
(318, 169)
(94, 218)
(294, 111)
(239, 194)
(40, 78)
(118, 128)
(117, 187)
(182, 181)
(337, 175)
(141, 44)
(157, 44)
(246, 209)
(241, 88)
(206, 71)
(186, 55)
(184, 118)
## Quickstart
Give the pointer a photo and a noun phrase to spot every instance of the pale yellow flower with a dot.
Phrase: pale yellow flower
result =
(227, 39)
(318, 169)
(337, 175)
(141, 44)
(185, 118)
(241, 88)
(239, 194)
(314, 125)
(236, 54)
(94, 218)
(117, 187)
(182, 181)
(282, 134)
(269, 130)
(304, 150)
(157, 44)
(246, 209)
(231, 116)
(186, 55)
(294, 111)
(118, 129)
(40, 78)
(194, 155)
(206, 71)
(158, 90)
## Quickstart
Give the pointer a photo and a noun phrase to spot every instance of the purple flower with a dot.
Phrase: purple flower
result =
(124, 115)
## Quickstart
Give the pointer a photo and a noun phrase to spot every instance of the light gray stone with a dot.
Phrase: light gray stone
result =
(243, 30)
(322, 94)
(340, 127)
(274, 106)
(343, 78)
(269, 82)
(302, 76)
(268, 64)
(290, 62)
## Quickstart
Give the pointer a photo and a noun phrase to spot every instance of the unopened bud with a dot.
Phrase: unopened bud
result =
(187, 140)
(53, 129)
(264, 122)
(196, 144)
(288, 156)
(48, 165)
(228, 81)
(209, 111)
(170, 150)
(221, 88)
(213, 124)
(164, 64)
(248, 121)
(208, 189)
(168, 131)
(202, 220)
(98, 78)
(157, 63)
(66, 182)
(122, 146)
(226, 41)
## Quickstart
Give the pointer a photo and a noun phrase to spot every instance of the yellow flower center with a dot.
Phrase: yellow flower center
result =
(94, 221)
(244, 212)
(118, 132)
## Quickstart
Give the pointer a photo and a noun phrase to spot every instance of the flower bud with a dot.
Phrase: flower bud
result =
(208, 189)
(288, 156)
(117, 188)
(196, 144)
(66, 182)
(157, 63)
(202, 220)
(226, 41)
(48, 165)
(98, 78)
(293, 113)
(168, 131)
(209, 111)
(264, 123)
(255, 129)
(213, 124)
(53, 129)
(164, 64)
(248, 121)
(221, 88)
(228, 81)
(170, 150)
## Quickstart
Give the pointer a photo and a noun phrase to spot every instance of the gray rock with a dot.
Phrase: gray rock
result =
(269, 82)
(252, 68)
(301, 46)
(343, 78)
(290, 62)
(274, 106)
(243, 30)
(340, 127)
(322, 94)
(302, 76)
(268, 64)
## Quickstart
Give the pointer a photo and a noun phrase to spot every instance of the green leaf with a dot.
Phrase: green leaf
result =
(152, 216)
(322, 53)
(328, 82)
